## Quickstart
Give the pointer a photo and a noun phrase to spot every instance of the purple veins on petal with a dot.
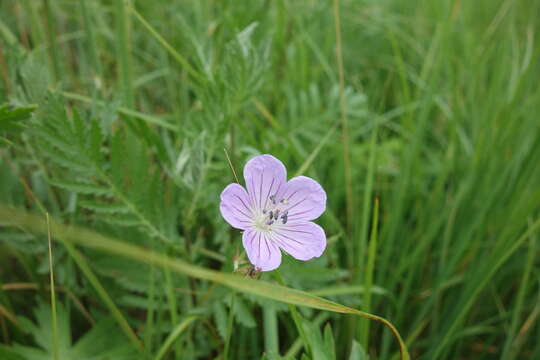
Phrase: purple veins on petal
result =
(306, 199)
(302, 241)
(235, 206)
(265, 176)
(261, 251)
(275, 213)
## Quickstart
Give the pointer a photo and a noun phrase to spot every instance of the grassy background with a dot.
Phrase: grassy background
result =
(431, 107)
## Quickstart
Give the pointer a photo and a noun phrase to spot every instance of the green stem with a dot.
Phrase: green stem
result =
(368, 279)
(344, 128)
(53, 293)
(51, 37)
(271, 335)
(124, 53)
(171, 299)
(91, 42)
(229, 327)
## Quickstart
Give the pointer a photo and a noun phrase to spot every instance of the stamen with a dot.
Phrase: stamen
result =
(276, 214)
(264, 211)
(270, 222)
(271, 215)
(284, 201)
(284, 217)
(273, 199)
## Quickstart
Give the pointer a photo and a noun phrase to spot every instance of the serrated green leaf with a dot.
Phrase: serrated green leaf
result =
(81, 188)
(103, 207)
(11, 117)
(123, 220)
(101, 342)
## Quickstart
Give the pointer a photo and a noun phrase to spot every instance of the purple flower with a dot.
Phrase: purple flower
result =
(275, 213)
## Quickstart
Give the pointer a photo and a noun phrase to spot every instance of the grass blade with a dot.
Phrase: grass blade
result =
(173, 336)
(53, 293)
(368, 278)
(74, 235)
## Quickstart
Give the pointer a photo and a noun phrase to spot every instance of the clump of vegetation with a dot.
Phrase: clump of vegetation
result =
(418, 118)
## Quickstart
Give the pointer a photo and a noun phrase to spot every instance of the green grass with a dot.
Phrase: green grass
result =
(119, 114)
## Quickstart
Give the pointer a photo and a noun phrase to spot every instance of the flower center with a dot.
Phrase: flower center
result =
(274, 215)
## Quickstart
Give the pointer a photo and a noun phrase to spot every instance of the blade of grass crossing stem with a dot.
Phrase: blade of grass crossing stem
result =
(507, 350)
(175, 54)
(315, 152)
(231, 165)
(368, 279)
(54, 322)
(295, 315)
(173, 336)
(109, 303)
(271, 334)
(72, 235)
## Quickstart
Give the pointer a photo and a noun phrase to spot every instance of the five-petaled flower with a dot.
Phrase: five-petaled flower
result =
(275, 213)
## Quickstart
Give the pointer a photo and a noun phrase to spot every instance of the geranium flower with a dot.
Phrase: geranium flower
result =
(275, 213)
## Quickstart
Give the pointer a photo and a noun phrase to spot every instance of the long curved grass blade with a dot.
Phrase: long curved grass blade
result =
(174, 335)
(90, 239)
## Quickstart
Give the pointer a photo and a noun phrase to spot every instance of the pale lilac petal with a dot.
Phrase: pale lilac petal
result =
(306, 199)
(235, 206)
(265, 176)
(302, 241)
(261, 251)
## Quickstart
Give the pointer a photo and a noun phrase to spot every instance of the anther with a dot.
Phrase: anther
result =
(271, 215)
(284, 217)
(273, 199)
(276, 214)
(284, 201)
(270, 222)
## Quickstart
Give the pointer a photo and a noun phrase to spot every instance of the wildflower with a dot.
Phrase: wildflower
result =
(275, 213)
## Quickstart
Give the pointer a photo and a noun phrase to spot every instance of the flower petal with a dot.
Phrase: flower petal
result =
(306, 199)
(265, 176)
(302, 241)
(262, 252)
(235, 206)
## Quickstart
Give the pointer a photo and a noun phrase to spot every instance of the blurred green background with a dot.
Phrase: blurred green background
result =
(115, 120)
